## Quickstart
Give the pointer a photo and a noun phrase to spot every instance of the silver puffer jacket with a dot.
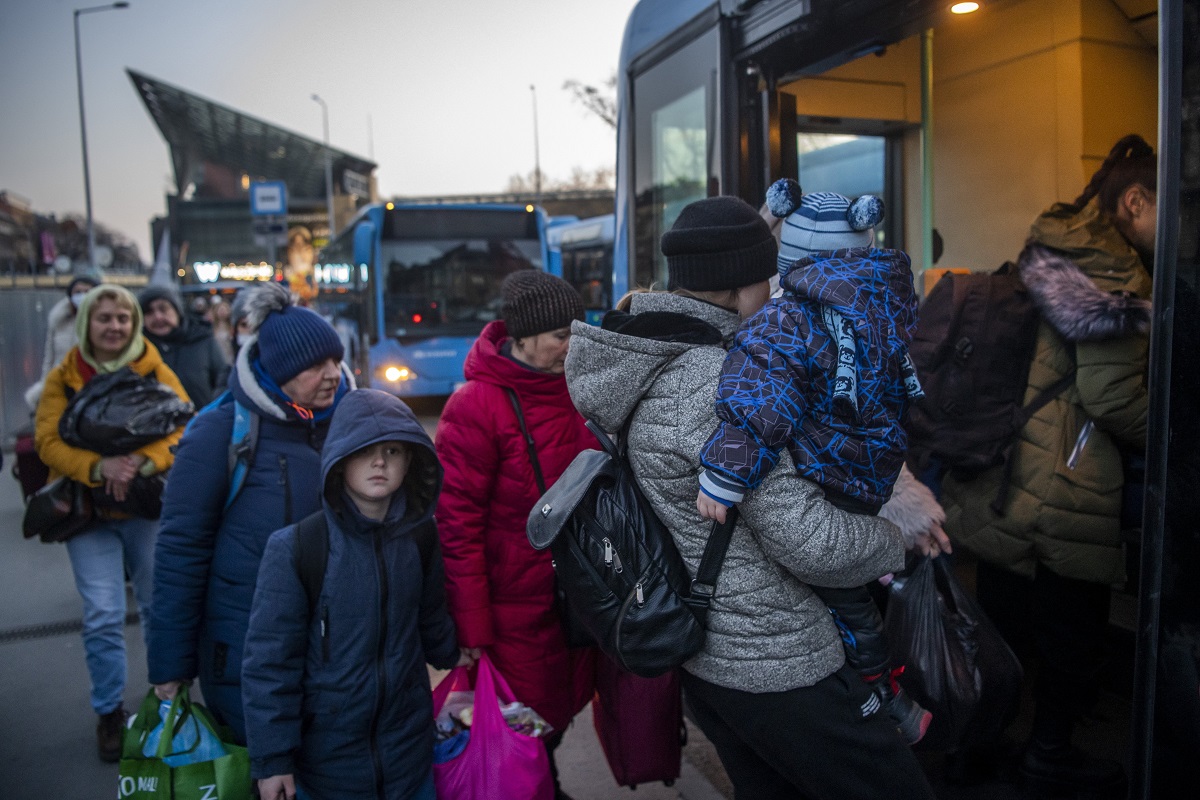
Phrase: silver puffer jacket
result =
(767, 631)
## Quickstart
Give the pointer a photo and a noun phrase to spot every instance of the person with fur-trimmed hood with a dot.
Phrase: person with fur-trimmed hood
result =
(288, 376)
(1056, 549)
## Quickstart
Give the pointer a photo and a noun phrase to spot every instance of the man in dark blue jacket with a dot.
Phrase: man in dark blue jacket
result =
(210, 542)
(336, 692)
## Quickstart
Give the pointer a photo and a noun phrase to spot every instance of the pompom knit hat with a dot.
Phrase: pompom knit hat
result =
(820, 221)
(536, 302)
(293, 339)
(718, 243)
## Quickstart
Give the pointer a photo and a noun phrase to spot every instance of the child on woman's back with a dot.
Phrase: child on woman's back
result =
(335, 687)
(823, 371)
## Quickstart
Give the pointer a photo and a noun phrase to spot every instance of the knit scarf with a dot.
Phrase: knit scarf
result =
(277, 394)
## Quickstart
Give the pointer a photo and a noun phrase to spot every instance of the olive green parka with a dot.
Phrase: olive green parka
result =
(1064, 499)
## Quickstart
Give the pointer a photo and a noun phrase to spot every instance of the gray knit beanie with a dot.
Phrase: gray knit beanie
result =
(536, 302)
(161, 292)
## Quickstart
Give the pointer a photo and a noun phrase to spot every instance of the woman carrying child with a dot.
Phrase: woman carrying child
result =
(337, 702)
(769, 687)
(823, 372)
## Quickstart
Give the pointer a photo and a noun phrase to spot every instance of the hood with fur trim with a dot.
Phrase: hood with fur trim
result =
(1073, 304)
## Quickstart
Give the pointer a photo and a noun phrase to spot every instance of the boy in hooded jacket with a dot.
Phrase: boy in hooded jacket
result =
(338, 702)
(823, 371)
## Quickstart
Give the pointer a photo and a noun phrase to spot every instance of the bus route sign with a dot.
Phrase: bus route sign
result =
(268, 198)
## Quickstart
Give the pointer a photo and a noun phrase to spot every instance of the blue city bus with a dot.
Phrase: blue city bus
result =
(967, 125)
(410, 287)
(581, 253)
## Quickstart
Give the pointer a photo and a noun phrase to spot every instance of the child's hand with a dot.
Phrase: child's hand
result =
(709, 508)
(467, 656)
(277, 787)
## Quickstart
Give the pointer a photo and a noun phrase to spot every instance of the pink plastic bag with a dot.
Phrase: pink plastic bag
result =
(498, 763)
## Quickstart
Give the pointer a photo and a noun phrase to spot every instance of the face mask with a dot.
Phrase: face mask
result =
(77, 299)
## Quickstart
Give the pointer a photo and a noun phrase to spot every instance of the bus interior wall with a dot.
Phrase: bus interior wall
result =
(1028, 96)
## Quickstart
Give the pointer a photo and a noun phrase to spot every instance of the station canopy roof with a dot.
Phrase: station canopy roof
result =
(201, 132)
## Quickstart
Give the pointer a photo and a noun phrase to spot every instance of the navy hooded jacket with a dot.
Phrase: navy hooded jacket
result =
(342, 701)
(206, 559)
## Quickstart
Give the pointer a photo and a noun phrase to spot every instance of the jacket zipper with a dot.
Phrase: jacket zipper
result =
(325, 633)
(286, 483)
(380, 664)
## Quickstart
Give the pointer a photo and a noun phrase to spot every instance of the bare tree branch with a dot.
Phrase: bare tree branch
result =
(602, 102)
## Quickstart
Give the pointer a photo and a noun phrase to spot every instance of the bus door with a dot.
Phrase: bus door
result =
(821, 132)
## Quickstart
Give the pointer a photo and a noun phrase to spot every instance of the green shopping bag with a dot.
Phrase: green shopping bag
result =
(146, 778)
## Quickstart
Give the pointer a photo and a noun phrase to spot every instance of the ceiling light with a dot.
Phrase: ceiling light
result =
(964, 8)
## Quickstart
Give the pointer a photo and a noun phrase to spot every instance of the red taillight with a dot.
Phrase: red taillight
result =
(417, 319)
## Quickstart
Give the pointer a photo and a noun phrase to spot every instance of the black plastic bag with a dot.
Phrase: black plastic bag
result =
(118, 412)
(956, 663)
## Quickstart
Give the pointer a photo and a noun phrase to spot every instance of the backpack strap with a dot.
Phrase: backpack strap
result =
(1022, 417)
(537, 466)
(311, 556)
(426, 536)
(704, 585)
(243, 441)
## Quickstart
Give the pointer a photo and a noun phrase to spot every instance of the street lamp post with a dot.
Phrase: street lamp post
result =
(87, 179)
(537, 162)
(328, 163)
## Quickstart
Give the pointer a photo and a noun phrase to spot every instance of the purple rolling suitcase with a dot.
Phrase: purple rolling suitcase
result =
(640, 724)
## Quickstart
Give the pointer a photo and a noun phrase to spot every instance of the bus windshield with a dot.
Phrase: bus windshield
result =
(442, 269)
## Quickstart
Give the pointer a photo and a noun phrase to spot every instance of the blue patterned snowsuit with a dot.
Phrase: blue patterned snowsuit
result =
(777, 383)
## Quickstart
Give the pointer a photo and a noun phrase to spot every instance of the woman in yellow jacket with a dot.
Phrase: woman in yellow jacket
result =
(109, 326)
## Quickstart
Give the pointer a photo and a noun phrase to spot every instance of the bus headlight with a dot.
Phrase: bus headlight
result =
(397, 374)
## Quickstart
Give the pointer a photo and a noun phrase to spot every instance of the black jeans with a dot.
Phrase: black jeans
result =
(808, 743)
(1065, 622)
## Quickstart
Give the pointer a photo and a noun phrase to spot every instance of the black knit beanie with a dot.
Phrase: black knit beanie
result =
(160, 292)
(536, 302)
(718, 243)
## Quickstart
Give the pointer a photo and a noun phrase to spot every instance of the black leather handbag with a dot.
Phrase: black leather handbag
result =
(58, 511)
(143, 497)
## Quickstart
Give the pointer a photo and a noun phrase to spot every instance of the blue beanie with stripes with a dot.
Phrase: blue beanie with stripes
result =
(820, 221)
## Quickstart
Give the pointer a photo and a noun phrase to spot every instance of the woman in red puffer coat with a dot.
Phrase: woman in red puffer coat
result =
(500, 590)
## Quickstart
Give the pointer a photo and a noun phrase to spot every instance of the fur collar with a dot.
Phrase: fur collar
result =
(1073, 304)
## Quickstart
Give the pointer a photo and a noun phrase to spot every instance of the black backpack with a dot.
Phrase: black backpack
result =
(972, 349)
(617, 564)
